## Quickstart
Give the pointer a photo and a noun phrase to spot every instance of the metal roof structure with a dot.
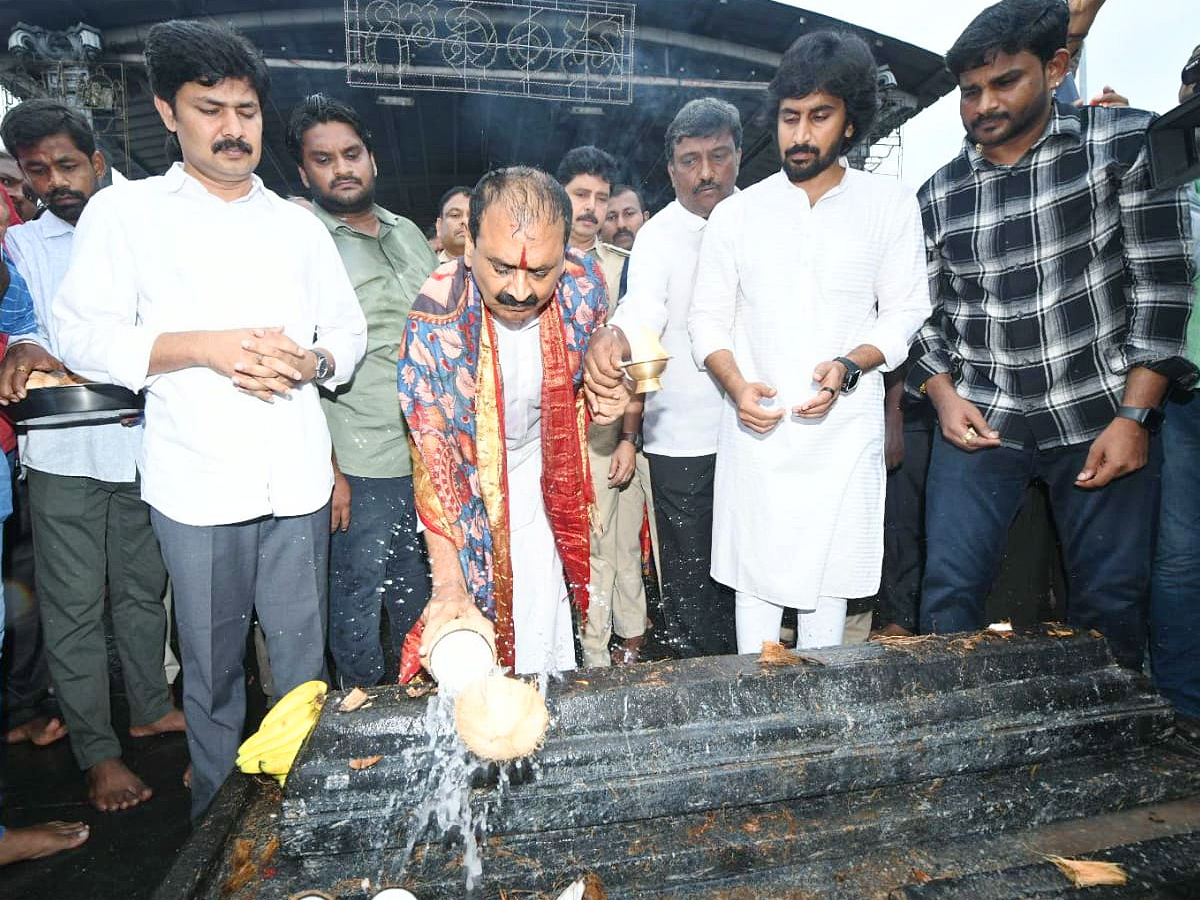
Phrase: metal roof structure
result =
(428, 137)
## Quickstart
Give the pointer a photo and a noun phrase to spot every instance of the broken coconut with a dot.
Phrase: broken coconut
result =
(501, 718)
(462, 651)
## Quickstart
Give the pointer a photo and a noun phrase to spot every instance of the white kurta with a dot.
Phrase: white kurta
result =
(783, 285)
(542, 629)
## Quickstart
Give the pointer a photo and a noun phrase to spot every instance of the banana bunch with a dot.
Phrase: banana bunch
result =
(272, 749)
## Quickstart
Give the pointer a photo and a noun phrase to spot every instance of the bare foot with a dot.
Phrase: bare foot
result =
(40, 731)
(111, 786)
(172, 721)
(187, 777)
(37, 841)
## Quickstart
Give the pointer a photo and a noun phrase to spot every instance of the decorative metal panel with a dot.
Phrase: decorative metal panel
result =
(577, 50)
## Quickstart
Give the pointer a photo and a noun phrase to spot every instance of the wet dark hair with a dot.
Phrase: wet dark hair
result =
(318, 109)
(529, 195)
(628, 189)
(453, 192)
(179, 51)
(1011, 26)
(34, 120)
(587, 160)
(703, 117)
(837, 63)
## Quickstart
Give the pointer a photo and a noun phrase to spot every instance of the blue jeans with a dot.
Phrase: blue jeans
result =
(1175, 588)
(1107, 537)
(379, 560)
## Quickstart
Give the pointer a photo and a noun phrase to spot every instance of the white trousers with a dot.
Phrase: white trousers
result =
(758, 621)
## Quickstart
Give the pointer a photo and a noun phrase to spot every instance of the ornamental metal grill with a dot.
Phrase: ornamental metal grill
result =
(577, 50)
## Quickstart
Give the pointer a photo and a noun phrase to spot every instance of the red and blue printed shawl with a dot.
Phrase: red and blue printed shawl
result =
(451, 393)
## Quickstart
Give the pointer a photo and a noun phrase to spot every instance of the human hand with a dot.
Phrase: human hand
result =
(605, 386)
(893, 439)
(1123, 447)
(1107, 97)
(19, 361)
(262, 362)
(751, 413)
(963, 425)
(620, 469)
(828, 376)
(1082, 14)
(445, 604)
(339, 503)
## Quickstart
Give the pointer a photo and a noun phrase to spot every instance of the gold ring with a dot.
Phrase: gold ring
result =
(832, 392)
(22, 368)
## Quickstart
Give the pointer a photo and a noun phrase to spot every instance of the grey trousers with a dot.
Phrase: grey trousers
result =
(220, 573)
(83, 531)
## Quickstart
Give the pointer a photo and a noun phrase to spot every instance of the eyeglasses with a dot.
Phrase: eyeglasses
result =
(1191, 72)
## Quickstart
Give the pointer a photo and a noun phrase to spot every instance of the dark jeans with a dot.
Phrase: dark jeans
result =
(904, 534)
(1107, 537)
(1175, 588)
(697, 612)
(378, 561)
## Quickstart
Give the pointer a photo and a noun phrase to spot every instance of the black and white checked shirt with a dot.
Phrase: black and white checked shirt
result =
(1051, 278)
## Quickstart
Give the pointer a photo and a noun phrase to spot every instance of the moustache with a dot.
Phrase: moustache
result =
(232, 144)
(350, 179)
(587, 217)
(802, 148)
(623, 231)
(60, 195)
(704, 185)
(989, 117)
(506, 299)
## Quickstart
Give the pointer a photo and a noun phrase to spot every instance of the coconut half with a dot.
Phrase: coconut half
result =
(501, 718)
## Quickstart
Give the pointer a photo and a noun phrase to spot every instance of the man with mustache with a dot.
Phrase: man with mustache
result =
(227, 305)
(1061, 297)
(12, 181)
(89, 520)
(620, 473)
(451, 223)
(376, 557)
(626, 216)
(810, 283)
(489, 379)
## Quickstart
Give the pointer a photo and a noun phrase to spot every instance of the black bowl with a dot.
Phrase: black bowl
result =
(75, 404)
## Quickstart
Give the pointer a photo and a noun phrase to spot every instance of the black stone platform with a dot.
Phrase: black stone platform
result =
(920, 768)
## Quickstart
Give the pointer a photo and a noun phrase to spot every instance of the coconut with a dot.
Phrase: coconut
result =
(501, 718)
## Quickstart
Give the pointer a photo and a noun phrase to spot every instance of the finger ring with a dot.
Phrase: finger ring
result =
(22, 368)
(832, 392)
(258, 359)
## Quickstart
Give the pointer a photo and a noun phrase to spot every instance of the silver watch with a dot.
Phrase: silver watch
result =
(324, 368)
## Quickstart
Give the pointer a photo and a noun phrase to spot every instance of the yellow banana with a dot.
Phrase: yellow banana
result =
(297, 697)
(273, 748)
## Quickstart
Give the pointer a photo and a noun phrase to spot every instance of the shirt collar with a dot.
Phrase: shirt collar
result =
(333, 223)
(177, 179)
(1065, 122)
(51, 226)
(692, 221)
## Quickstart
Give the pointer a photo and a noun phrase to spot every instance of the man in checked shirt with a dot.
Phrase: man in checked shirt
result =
(1061, 290)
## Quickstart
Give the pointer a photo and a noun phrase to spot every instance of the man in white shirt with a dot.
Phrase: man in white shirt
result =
(810, 282)
(704, 149)
(205, 289)
(451, 223)
(89, 521)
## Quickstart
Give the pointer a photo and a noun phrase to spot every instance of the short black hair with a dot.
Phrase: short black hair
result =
(317, 109)
(587, 160)
(180, 51)
(838, 63)
(453, 192)
(1011, 26)
(628, 189)
(528, 194)
(703, 117)
(34, 120)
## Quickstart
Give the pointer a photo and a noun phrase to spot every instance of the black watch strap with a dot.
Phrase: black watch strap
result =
(853, 372)
(1148, 417)
(634, 437)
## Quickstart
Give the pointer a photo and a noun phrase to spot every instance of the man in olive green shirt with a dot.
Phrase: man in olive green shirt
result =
(376, 557)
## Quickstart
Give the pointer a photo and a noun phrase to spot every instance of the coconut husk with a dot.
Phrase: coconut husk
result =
(364, 762)
(353, 700)
(775, 654)
(501, 718)
(1088, 872)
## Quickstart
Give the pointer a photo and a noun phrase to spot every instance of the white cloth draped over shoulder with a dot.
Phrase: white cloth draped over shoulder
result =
(784, 285)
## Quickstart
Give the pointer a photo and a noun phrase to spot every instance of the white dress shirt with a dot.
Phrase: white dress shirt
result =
(682, 419)
(784, 285)
(164, 255)
(41, 250)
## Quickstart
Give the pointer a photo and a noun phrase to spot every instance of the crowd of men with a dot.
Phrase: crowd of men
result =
(355, 427)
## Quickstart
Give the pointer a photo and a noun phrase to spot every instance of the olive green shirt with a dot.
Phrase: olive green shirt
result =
(368, 430)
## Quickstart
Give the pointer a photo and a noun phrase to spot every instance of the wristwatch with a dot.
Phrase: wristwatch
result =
(853, 373)
(324, 368)
(1148, 417)
(634, 437)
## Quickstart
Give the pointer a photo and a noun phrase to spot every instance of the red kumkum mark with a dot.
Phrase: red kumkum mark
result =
(523, 263)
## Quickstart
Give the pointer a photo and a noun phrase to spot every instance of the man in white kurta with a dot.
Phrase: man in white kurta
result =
(810, 283)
